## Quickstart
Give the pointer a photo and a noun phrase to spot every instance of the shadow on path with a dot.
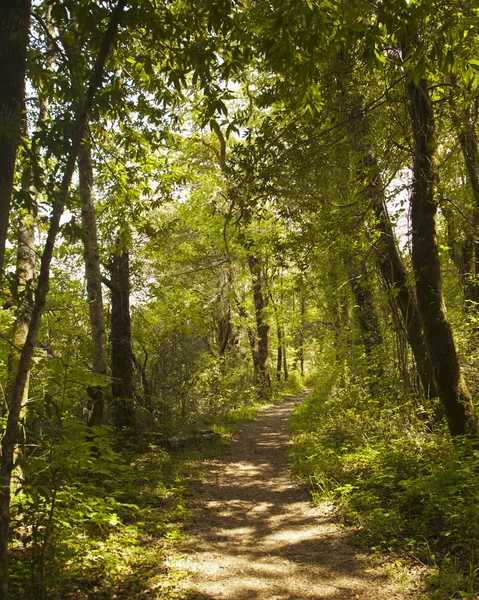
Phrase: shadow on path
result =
(256, 535)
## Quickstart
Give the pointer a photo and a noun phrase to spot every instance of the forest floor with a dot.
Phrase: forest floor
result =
(256, 535)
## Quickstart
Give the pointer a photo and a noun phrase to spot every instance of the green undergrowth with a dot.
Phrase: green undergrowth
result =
(406, 490)
(94, 519)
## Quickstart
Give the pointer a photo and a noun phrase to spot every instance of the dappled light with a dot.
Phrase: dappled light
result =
(255, 533)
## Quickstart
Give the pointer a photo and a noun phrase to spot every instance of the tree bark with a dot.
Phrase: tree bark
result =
(263, 380)
(25, 273)
(468, 141)
(15, 401)
(285, 359)
(120, 339)
(390, 261)
(15, 21)
(453, 392)
(279, 356)
(93, 279)
(280, 339)
(366, 314)
(396, 277)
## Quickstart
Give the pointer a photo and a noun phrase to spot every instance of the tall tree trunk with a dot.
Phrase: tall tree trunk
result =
(285, 357)
(279, 356)
(15, 401)
(390, 261)
(250, 335)
(466, 255)
(14, 28)
(280, 338)
(263, 380)
(120, 339)
(453, 392)
(93, 279)
(25, 273)
(468, 141)
(299, 336)
(395, 275)
(225, 327)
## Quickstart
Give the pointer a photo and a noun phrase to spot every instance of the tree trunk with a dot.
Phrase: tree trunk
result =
(280, 339)
(396, 277)
(225, 329)
(453, 392)
(366, 311)
(279, 359)
(390, 262)
(15, 21)
(250, 335)
(15, 401)
(299, 337)
(25, 273)
(120, 339)
(285, 358)
(468, 141)
(263, 380)
(93, 279)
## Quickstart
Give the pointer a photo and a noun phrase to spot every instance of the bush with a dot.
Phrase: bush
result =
(404, 488)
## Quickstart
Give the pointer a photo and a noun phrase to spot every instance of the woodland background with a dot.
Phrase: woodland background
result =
(202, 206)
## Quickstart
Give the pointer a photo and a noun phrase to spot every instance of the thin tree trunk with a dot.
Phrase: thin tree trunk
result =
(15, 401)
(285, 357)
(279, 337)
(224, 333)
(279, 359)
(93, 279)
(453, 392)
(145, 384)
(250, 335)
(299, 336)
(263, 381)
(25, 273)
(14, 28)
(468, 141)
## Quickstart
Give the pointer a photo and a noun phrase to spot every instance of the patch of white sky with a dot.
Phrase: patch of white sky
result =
(397, 201)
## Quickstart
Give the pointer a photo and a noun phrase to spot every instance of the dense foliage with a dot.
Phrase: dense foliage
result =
(202, 205)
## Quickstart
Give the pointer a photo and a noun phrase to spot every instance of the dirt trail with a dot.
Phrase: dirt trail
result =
(256, 535)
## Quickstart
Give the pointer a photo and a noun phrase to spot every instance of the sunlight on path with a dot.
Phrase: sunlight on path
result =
(257, 536)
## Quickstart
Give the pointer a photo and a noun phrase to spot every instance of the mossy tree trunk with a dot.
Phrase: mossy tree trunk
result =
(396, 277)
(468, 141)
(394, 273)
(452, 389)
(93, 280)
(25, 273)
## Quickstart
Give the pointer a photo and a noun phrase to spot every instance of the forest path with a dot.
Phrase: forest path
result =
(256, 535)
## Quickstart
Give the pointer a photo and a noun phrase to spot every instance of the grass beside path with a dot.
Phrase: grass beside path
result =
(129, 552)
(411, 494)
